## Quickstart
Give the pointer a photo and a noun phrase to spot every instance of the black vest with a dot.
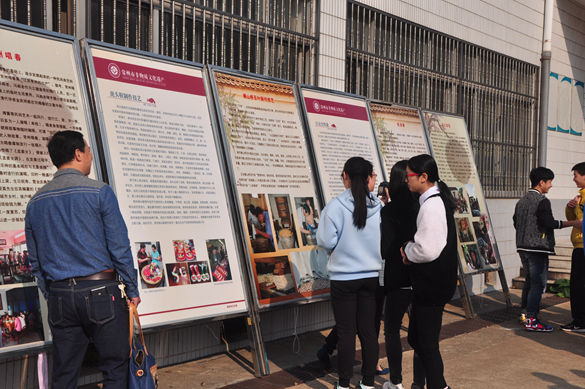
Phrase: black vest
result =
(434, 283)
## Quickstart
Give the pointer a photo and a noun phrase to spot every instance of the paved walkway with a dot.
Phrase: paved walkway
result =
(490, 351)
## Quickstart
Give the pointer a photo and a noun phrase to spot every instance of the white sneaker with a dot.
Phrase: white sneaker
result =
(390, 385)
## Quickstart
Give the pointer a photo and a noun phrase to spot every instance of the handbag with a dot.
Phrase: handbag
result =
(143, 370)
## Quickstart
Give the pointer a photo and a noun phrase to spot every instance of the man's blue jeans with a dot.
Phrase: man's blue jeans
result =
(75, 316)
(535, 273)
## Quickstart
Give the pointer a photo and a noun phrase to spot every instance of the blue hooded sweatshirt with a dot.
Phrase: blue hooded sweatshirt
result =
(355, 254)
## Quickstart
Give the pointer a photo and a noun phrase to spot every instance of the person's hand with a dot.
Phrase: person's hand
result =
(574, 202)
(404, 258)
(135, 300)
(578, 224)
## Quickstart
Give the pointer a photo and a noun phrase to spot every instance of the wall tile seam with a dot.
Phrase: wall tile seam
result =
(570, 14)
(568, 41)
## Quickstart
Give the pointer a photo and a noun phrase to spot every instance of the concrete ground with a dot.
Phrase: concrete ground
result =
(475, 354)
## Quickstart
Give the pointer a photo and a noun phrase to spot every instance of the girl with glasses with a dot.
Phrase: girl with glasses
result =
(432, 257)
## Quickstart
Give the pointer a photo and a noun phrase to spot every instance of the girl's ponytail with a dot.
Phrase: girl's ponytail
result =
(358, 170)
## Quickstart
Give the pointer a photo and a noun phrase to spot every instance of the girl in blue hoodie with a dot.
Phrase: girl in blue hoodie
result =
(350, 230)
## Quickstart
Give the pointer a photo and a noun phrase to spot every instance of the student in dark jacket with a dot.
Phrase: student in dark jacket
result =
(398, 227)
(433, 260)
(535, 240)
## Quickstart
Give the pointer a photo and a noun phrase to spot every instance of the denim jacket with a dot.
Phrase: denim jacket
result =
(74, 228)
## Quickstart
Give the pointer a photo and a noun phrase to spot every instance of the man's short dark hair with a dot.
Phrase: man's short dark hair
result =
(579, 168)
(62, 146)
(540, 174)
(142, 246)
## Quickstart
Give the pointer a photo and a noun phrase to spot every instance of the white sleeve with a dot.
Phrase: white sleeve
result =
(431, 235)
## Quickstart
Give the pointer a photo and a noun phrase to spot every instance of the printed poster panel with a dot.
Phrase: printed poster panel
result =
(166, 173)
(41, 92)
(452, 150)
(275, 187)
(340, 129)
(399, 132)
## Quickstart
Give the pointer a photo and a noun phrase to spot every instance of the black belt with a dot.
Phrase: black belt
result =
(104, 275)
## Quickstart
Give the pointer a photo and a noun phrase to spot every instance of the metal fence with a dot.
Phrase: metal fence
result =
(394, 60)
(277, 38)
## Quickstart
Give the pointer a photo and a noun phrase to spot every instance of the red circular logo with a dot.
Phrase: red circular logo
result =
(114, 70)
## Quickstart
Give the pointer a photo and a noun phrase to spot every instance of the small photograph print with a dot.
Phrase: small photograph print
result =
(461, 206)
(150, 264)
(178, 273)
(184, 250)
(310, 270)
(274, 276)
(20, 316)
(14, 261)
(473, 200)
(464, 230)
(485, 241)
(284, 225)
(199, 272)
(473, 260)
(218, 259)
(258, 221)
(308, 217)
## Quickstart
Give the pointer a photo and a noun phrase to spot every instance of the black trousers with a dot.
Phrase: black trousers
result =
(75, 315)
(397, 302)
(423, 337)
(354, 307)
(332, 339)
(577, 286)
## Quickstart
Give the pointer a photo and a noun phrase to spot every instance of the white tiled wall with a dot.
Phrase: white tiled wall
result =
(332, 44)
(568, 59)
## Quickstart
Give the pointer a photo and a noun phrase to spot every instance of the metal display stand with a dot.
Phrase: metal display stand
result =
(462, 284)
(252, 319)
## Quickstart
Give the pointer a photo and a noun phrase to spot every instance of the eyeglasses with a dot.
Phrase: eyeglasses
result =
(412, 175)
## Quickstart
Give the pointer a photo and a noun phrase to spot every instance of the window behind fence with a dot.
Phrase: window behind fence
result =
(397, 61)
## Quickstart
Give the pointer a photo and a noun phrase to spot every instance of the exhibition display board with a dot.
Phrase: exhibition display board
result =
(164, 165)
(399, 132)
(41, 92)
(340, 128)
(452, 150)
(271, 174)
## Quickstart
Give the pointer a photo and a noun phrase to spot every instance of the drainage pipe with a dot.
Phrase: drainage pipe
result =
(545, 81)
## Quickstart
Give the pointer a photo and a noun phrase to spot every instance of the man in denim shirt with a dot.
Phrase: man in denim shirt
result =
(78, 243)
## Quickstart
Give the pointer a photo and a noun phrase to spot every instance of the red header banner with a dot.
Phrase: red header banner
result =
(332, 108)
(149, 77)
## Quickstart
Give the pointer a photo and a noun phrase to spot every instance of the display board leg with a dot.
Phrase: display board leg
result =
(465, 297)
(259, 357)
(505, 288)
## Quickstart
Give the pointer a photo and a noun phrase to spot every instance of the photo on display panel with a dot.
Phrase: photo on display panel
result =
(473, 200)
(308, 217)
(473, 259)
(485, 240)
(150, 264)
(20, 316)
(310, 270)
(178, 273)
(460, 201)
(464, 230)
(14, 262)
(274, 276)
(184, 250)
(199, 272)
(284, 225)
(218, 258)
(259, 226)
